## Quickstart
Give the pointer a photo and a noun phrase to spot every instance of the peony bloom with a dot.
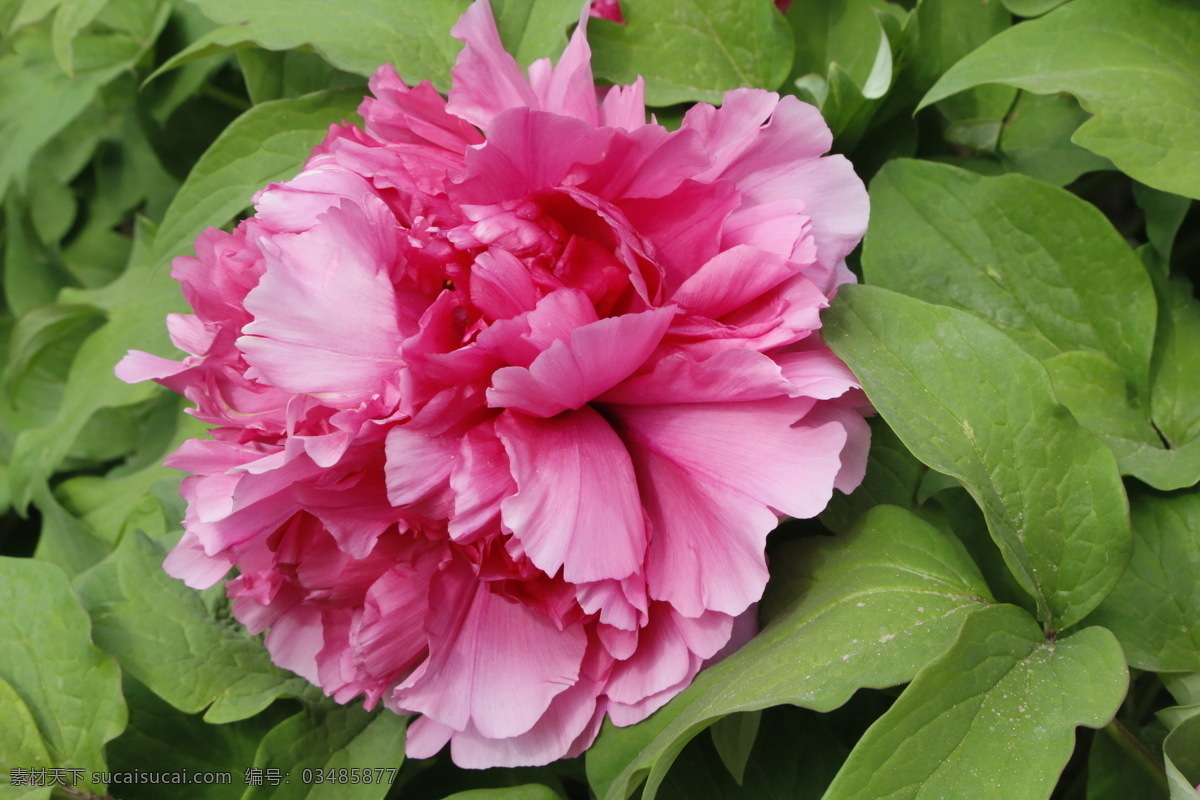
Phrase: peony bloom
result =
(509, 389)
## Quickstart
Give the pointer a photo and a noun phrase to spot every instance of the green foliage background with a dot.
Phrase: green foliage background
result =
(1011, 606)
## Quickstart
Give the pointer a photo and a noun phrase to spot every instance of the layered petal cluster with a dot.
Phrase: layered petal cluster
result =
(508, 390)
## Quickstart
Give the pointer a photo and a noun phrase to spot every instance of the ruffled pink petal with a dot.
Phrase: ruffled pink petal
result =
(497, 667)
(486, 80)
(573, 371)
(588, 520)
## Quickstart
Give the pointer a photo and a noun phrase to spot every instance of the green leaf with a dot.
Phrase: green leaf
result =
(324, 738)
(71, 17)
(1036, 262)
(528, 791)
(1175, 402)
(1112, 774)
(994, 717)
(846, 34)
(1132, 65)
(160, 737)
(37, 100)
(136, 304)
(969, 402)
(270, 142)
(1182, 753)
(864, 609)
(694, 49)
(1154, 607)
(533, 29)
(21, 746)
(1036, 139)
(42, 328)
(412, 35)
(734, 737)
(161, 633)
(71, 689)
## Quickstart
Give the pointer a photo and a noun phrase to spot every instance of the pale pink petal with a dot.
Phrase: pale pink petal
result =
(480, 479)
(294, 342)
(425, 737)
(138, 366)
(188, 562)
(624, 106)
(817, 373)
(588, 520)
(569, 89)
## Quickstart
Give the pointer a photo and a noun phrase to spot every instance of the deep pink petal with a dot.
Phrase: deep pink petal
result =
(590, 361)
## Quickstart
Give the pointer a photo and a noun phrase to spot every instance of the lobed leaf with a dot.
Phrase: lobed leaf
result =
(1154, 607)
(161, 633)
(1132, 65)
(69, 688)
(993, 718)
(970, 403)
(868, 609)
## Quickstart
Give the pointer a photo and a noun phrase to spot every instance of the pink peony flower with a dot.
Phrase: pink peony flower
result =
(509, 389)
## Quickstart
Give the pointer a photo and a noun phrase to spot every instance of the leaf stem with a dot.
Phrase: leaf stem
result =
(225, 98)
(1138, 752)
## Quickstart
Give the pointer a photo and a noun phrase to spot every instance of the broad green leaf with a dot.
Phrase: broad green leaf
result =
(1036, 139)
(411, 35)
(71, 688)
(969, 402)
(21, 747)
(994, 717)
(1132, 65)
(734, 737)
(161, 633)
(326, 738)
(1182, 754)
(694, 49)
(936, 35)
(1036, 262)
(1092, 386)
(528, 791)
(867, 609)
(1154, 607)
(270, 142)
(159, 736)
